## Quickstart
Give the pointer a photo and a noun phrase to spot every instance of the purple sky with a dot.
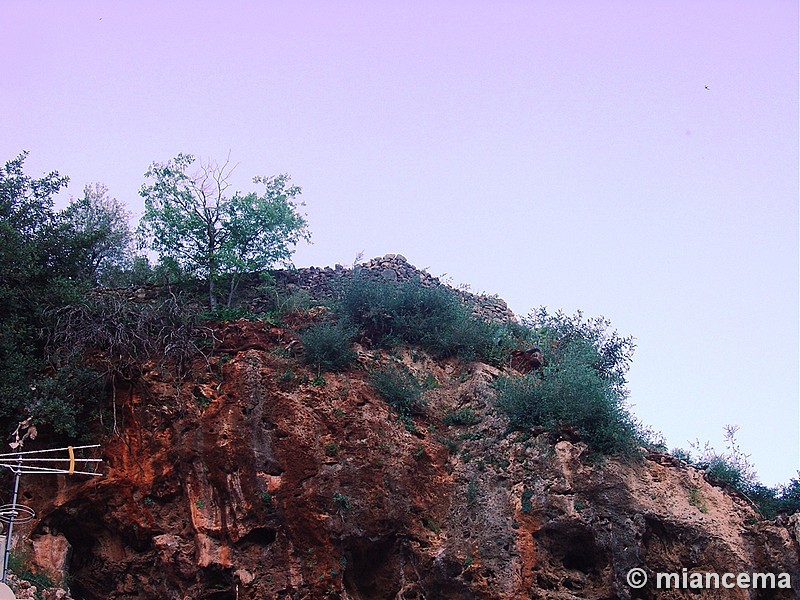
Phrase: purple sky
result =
(565, 154)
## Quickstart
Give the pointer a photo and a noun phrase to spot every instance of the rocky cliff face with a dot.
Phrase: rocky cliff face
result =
(252, 478)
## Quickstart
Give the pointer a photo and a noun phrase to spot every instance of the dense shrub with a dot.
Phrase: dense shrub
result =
(328, 345)
(581, 386)
(787, 497)
(36, 271)
(773, 501)
(431, 317)
(68, 398)
(399, 387)
(573, 339)
(44, 255)
(505, 338)
(572, 396)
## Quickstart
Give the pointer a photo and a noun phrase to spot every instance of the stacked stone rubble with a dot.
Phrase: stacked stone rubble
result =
(321, 284)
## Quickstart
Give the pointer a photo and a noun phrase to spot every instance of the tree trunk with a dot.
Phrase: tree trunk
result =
(212, 298)
(212, 263)
(233, 287)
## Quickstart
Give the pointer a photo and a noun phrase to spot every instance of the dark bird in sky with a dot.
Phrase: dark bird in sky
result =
(708, 88)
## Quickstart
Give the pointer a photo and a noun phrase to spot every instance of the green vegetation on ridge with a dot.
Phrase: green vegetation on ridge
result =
(581, 384)
(64, 345)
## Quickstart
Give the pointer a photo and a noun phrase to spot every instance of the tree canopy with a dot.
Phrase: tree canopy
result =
(38, 273)
(31, 241)
(49, 260)
(191, 218)
(100, 232)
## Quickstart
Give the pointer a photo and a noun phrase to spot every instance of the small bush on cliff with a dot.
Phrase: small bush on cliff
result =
(399, 388)
(328, 346)
(20, 564)
(431, 317)
(465, 416)
(774, 501)
(280, 301)
(582, 385)
(733, 467)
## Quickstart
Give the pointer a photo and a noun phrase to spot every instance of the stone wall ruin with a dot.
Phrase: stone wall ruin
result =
(320, 283)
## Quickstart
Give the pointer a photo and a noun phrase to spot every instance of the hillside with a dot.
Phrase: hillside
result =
(251, 474)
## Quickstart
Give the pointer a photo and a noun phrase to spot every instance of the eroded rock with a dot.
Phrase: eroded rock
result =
(282, 487)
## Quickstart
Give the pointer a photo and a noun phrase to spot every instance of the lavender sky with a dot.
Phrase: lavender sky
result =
(631, 159)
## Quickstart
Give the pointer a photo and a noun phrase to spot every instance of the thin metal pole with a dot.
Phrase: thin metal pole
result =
(16, 454)
(77, 460)
(10, 527)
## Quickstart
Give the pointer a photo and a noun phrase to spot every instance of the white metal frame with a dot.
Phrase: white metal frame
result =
(33, 462)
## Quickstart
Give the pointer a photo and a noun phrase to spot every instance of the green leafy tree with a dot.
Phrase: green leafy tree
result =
(190, 218)
(37, 274)
(32, 251)
(100, 231)
(25, 213)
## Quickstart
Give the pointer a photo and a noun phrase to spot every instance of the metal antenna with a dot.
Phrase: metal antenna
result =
(38, 462)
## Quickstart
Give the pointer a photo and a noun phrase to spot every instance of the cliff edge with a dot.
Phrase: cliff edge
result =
(252, 476)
